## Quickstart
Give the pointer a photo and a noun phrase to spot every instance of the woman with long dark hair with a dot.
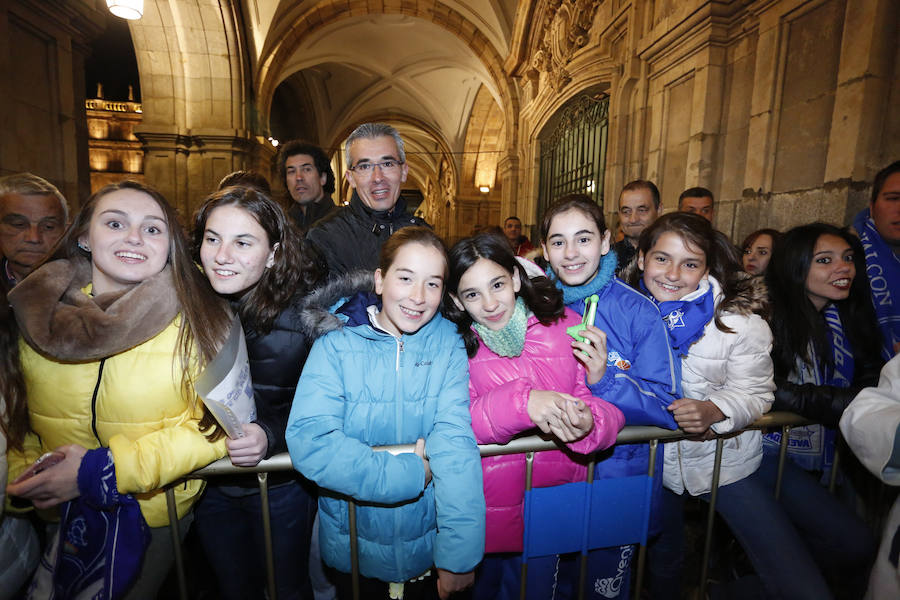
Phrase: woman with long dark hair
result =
(757, 248)
(826, 339)
(253, 257)
(19, 552)
(826, 349)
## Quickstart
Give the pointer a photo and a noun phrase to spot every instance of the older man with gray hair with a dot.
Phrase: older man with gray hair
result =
(351, 237)
(33, 216)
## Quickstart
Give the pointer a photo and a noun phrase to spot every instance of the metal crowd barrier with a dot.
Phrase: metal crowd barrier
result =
(524, 445)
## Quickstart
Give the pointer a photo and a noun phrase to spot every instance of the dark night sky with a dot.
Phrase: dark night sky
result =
(113, 63)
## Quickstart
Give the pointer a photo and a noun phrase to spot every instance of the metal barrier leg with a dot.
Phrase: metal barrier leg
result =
(642, 551)
(832, 480)
(267, 534)
(582, 571)
(713, 496)
(354, 548)
(529, 466)
(176, 543)
(782, 456)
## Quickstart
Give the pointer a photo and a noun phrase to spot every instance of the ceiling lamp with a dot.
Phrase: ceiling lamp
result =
(127, 9)
(484, 189)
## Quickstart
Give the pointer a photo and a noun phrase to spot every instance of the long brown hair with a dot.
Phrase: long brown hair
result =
(294, 271)
(205, 318)
(14, 423)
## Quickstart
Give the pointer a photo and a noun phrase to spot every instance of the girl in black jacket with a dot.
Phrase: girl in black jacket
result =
(819, 293)
(252, 256)
(826, 348)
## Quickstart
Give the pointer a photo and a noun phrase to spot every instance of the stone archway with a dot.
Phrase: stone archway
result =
(198, 122)
(274, 57)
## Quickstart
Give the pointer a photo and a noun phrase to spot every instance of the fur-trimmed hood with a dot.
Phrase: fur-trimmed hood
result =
(751, 296)
(317, 316)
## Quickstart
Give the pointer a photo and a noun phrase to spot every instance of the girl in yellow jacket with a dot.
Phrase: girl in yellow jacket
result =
(113, 331)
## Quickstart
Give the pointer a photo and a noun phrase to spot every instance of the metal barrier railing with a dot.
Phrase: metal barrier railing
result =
(523, 445)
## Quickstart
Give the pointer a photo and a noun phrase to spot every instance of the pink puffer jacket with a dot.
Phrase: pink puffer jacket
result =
(499, 389)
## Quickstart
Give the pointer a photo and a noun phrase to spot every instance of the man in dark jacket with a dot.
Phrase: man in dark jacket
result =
(33, 215)
(638, 208)
(512, 229)
(351, 237)
(309, 180)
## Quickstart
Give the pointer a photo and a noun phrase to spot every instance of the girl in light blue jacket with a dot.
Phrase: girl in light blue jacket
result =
(390, 370)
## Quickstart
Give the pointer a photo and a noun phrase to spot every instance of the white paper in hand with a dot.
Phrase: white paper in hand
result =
(225, 385)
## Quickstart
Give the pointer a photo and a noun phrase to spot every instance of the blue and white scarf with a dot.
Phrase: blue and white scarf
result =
(883, 270)
(605, 273)
(101, 542)
(686, 318)
(812, 446)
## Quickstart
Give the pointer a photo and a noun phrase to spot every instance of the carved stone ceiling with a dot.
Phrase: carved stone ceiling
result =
(388, 65)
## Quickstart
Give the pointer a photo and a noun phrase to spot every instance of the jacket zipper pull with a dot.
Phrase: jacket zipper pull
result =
(399, 352)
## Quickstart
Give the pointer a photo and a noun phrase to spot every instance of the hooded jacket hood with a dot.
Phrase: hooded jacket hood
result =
(331, 306)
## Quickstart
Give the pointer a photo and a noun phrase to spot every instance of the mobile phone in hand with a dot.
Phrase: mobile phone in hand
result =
(43, 463)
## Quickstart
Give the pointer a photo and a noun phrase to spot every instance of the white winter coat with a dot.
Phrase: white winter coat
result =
(870, 426)
(735, 371)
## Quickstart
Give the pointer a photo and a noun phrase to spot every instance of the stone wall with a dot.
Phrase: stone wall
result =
(781, 108)
(43, 47)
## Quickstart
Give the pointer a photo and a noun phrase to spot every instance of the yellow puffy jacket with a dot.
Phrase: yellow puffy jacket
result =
(132, 403)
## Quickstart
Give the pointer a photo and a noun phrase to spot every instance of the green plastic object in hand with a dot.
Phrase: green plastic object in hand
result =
(590, 311)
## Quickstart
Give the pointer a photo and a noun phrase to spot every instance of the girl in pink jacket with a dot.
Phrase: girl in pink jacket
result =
(522, 377)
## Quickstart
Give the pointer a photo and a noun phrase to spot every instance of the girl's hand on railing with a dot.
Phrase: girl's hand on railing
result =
(54, 485)
(580, 418)
(695, 416)
(247, 451)
(547, 410)
(420, 452)
(449, 582)
(592, 353)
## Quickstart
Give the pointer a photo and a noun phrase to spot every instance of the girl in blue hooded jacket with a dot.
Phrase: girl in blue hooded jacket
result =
(628, 361)
(390, 370)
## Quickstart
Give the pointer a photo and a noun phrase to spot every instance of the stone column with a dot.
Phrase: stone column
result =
(215, 153)
(863, 90)
(165, 164)
(508, 174)
(860, 102)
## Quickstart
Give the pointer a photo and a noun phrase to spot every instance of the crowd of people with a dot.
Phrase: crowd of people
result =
(363, 329)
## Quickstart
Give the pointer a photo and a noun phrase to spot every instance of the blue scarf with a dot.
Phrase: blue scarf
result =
(102, 535)
(605, 273)
(840, 372)
(883, 269)
(812, 446)
(686, 318)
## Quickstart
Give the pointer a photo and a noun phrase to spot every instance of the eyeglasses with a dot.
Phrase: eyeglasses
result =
(367, 168)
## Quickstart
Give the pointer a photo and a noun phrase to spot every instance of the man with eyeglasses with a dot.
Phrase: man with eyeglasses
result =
(307, 175)
(33, 216)
(351, 237)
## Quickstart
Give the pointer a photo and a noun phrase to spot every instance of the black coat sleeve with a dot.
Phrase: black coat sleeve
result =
(823, 403)
(276, 361)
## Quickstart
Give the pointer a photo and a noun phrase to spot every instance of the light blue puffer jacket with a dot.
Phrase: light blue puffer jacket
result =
(360, 388)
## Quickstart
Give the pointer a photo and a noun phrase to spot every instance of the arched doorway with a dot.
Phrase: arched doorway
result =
(573, 150)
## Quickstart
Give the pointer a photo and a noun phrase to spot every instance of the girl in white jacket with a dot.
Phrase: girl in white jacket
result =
(714, 324)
